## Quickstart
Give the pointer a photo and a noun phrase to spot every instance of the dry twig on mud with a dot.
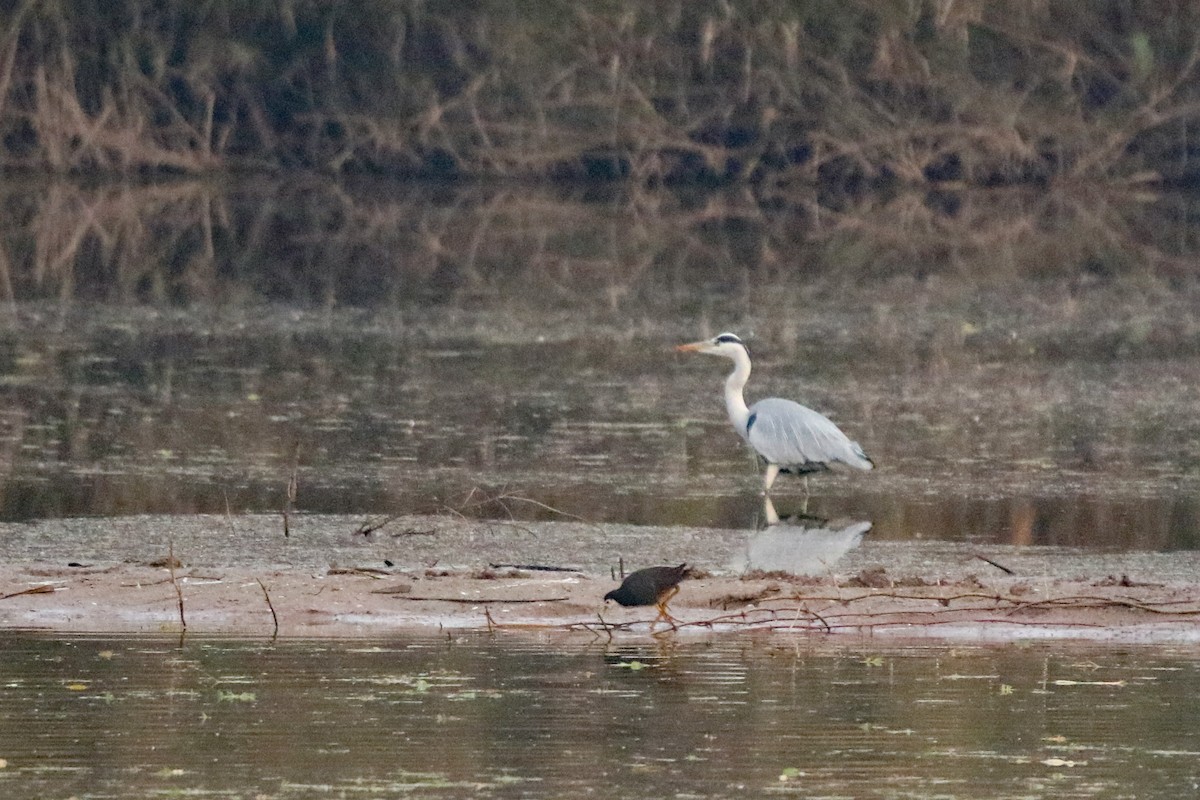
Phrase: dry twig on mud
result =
(175, 582)
(995, 564)
(481, 599)
(917, 611)
(535, 567)
(44, 589)
(504, 500)
(270, 605)
(369, 572)
(370, 526)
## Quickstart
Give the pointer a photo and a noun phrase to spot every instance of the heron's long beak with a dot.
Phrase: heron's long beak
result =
(692, 347)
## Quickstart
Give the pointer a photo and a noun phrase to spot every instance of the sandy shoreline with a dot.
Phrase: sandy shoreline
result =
(132, 598)
(240, 576)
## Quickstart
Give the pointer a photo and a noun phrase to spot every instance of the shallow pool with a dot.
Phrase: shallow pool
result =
(483, 716)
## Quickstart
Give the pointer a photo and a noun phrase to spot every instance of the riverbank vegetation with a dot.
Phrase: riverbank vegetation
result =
(846, 97)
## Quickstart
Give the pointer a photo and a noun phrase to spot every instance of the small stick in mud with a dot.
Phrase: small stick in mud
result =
(995, 564)
(369, 572)
(45, 589)
(535, 567)
(370, 526)
(175, 583)
(482, 600)
(620, 569)
(270, 605)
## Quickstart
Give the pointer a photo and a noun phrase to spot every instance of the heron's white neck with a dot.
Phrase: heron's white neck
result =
(735, 402)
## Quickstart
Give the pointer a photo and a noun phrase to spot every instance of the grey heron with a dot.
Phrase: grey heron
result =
(789, 437)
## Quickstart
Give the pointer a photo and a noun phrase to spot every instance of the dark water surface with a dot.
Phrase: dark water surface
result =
(480, 717)
(504, 354)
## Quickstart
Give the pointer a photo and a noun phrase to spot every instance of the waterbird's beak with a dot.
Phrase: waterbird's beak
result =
(692, 347)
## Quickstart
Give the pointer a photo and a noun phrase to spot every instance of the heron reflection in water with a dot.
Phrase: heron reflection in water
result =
(802, 545)
(787, 436)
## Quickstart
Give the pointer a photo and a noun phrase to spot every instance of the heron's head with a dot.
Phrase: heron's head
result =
(723, 344)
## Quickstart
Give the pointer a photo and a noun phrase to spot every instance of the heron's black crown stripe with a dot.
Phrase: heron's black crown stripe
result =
(728, 338)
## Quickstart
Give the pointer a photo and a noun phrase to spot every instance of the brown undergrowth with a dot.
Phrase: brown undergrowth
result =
(849, 97)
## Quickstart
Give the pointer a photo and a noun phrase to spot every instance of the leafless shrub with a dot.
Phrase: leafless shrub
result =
(848, 97)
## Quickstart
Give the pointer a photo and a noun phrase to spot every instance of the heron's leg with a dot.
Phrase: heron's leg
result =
(772, 516)
(769, 476)
(804, 501)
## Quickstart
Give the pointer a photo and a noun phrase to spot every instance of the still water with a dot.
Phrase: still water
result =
(1023, 370)
(482, 717)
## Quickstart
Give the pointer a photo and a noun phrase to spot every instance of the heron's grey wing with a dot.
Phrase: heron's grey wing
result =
(789, 434)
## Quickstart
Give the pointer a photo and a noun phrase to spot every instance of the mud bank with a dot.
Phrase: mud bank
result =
(242, 577)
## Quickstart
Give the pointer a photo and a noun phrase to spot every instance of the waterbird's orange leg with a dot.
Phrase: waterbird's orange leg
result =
(663, 599)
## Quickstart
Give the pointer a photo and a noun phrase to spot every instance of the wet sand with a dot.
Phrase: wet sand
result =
(239, 601)
(240, 576)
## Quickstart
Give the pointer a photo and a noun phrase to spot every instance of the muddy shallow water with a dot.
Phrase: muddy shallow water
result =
(482, 716)
(506, 354)
(155, 414)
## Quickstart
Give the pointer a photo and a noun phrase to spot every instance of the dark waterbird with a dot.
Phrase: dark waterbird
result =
(789, 437)
(652, 586)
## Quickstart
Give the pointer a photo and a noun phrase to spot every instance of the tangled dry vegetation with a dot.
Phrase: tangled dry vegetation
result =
(846, 97)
